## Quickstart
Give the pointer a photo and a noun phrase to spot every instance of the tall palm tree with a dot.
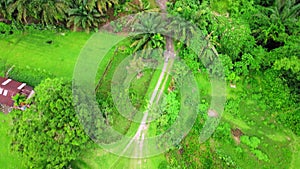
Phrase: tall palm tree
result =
(148, 28)
(285, 12)
(142, 6)
(50, 11)
(277, 20)
(182, 30)
(83, 14)
(104, 5)
(3, 8)
(19, 9)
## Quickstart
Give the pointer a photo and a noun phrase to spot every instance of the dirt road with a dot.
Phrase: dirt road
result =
(138, 140)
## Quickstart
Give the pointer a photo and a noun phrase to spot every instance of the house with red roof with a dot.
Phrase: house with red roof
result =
(10, 88)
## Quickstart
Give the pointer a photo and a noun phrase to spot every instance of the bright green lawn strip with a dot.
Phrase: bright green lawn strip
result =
(8, 159)
(296, 149)
(152, 84)
(139, 87)
(30, 49)
(115, 54)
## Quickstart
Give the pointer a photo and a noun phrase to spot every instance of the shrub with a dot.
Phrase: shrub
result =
(31, 76)
(252, 142)
(260, 155)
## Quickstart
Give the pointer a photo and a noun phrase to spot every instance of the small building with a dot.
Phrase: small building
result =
(10, 88)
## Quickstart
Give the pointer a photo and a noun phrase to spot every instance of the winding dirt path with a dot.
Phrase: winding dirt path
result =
(138, 139)
(169, 56)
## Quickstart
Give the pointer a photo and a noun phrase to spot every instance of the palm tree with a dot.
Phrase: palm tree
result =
(50, 11)
(104, 5)
(276, 21)
(20, 9)
(83, 14)
(285, 12)
(148, 28)
(142, 6)
(3, 8)
(182, 30)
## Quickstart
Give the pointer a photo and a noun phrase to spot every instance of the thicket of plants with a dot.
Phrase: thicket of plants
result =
(257, 41)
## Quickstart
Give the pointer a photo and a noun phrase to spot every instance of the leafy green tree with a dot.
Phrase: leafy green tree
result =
(48, 134)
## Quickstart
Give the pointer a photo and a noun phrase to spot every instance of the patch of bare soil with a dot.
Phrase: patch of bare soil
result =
(237, 133)
(212, 113)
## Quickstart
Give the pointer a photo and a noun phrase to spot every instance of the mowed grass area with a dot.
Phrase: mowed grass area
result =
(55, 52)
(8, 160)
(97, 158)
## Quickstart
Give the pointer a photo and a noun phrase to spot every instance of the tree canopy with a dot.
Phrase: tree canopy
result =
(48, 134)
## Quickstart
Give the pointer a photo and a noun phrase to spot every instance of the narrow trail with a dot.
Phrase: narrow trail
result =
(138, 139)
(169, 56)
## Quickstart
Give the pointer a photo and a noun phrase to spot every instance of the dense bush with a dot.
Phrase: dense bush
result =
(29, 75)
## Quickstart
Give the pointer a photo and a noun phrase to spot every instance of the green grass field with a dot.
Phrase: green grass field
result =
(8, 160)
(31, 49)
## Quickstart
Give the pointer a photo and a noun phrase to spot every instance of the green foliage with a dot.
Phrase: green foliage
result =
(252, 142)
(148, 28)
(220, 6)
(191, 59)
(193, 11)
(4, 29)
(235, 39)
(223, 132)
(117, 26)
(48, 134)
(104, 5)
(260, 155)
(170, 110)
(18, 99)
(83, 14)
(292, 63)
(226, 159)
(21, 7)
(29, 75)
(273, 24)
(139, 6)
(50, 12)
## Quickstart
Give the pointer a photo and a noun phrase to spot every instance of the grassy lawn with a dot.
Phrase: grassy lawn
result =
(8, 160)
(99, 159)
(31, 49)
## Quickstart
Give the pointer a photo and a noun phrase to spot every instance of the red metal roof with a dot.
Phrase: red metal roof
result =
(12, 88)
